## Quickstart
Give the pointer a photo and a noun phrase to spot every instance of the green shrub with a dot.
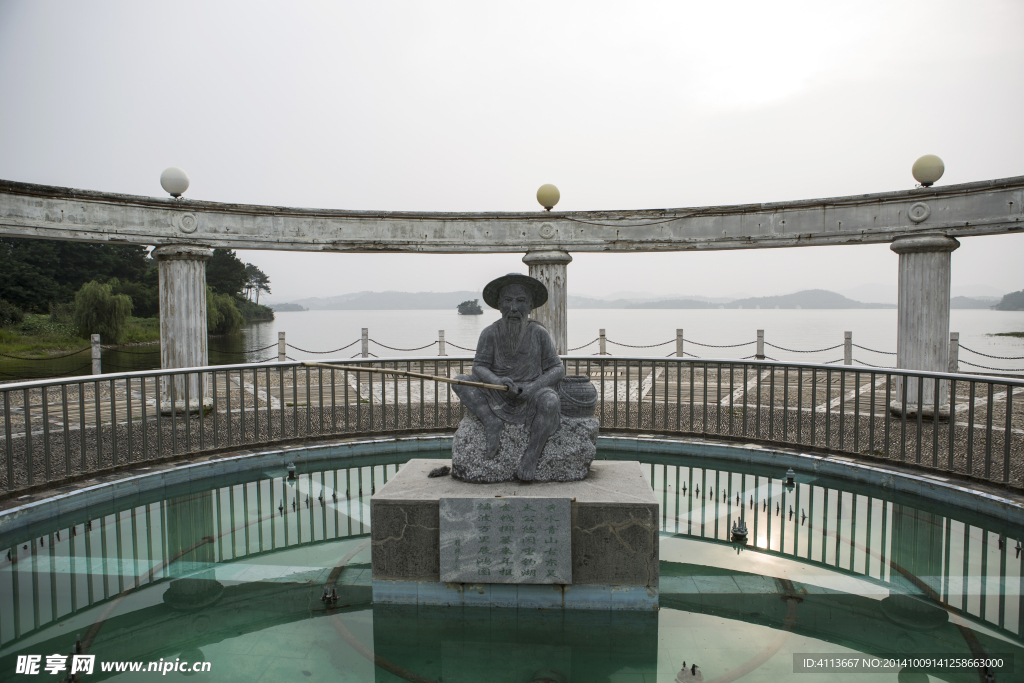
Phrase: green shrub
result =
(62, 314)
(99, 311)
(222, 315)
(145, 297)
(10, 314)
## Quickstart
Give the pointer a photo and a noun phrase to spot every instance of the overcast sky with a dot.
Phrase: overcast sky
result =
(470, 106)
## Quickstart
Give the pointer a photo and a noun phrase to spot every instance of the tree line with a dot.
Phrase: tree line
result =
(88, 282)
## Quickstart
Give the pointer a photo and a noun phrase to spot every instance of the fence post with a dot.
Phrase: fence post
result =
(954, 352)
(601, 348)
(679, 343)
(440, 343)
(366, 343)
(847, 348)
(97, 355)
(281, 347)
(759, 355)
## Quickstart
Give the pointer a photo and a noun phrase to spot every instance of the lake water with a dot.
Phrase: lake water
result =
(317, 331)
(791, 329)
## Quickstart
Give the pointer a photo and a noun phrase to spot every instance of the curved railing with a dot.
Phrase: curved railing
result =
(61, 429)
(52, 576)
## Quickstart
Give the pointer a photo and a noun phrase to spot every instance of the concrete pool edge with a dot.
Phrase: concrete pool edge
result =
(45, 506)
(885, 475)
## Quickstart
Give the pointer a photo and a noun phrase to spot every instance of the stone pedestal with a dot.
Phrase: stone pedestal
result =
(614, 537)
(922, 341)
(566, 456)
(550, 268)
(182, 270)
(493, 645)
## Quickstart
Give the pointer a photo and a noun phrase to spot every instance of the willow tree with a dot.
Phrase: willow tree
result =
(99, 311)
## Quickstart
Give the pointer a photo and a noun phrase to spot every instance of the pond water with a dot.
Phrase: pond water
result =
(231, 572)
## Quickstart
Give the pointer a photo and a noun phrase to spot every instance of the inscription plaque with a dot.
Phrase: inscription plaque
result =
(506, 540)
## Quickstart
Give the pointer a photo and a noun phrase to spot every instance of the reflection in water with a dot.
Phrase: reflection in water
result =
(233, 575)
(950, 556)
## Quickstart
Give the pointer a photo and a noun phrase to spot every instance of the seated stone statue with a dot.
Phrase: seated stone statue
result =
(518, 353)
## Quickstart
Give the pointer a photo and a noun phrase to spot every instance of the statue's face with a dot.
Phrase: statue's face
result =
(516, 302)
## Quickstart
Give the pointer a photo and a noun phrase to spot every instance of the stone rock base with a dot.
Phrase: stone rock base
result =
(927, 412)
(566, 456)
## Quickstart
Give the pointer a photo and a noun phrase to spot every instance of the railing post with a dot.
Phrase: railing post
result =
(281, 347)
(847, 348)
(760, 345)
(602, 348)
(440, 343)
(679, 343)
(954, 352)
(97, 355)
(366, 343)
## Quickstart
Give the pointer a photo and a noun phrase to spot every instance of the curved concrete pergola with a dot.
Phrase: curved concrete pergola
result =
(922, 224)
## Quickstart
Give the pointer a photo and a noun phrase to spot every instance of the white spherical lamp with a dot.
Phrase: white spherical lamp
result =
(548, 196)
(174, 181)
(928, 169)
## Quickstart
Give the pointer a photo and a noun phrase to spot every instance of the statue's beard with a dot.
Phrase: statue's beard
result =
(514, 332)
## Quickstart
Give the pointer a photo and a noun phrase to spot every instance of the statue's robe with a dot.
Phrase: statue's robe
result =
(521, 359)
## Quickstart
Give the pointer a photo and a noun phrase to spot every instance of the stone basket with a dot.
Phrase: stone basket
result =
(578, 396)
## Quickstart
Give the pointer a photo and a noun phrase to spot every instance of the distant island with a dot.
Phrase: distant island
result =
(285, 308)
(813, 299)
(471, 307)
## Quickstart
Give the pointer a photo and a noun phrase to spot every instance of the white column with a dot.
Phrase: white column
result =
(440, 343)
(602, 343)
(679, 344)
(282, 347)
(759, 353)
(848, 348)
(550, 268)
(182, 270)
(365, 346)
(922, 337)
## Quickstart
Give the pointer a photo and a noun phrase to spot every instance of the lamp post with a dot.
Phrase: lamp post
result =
(174, 181)
(928, 169)
(548, 195)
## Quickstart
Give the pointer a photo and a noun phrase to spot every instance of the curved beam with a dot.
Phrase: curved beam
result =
(980, 208)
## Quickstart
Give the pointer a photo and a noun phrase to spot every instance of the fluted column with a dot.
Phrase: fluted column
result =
(550, 268)
(922, 341)
(182, 270)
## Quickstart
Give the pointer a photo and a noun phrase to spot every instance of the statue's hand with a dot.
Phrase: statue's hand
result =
(513, 388)
(529, 390)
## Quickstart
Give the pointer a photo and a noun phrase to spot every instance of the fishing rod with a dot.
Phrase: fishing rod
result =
(406, 373)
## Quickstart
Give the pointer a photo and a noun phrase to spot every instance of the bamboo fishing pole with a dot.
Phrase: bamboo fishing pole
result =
(407, 373)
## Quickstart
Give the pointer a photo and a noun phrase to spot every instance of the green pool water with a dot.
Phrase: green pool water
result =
(231, 571)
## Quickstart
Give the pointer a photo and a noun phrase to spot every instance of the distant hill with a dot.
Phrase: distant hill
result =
(389, 301)
(809, 298)
(1014, 301)
(674, 303)
(970, 302)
